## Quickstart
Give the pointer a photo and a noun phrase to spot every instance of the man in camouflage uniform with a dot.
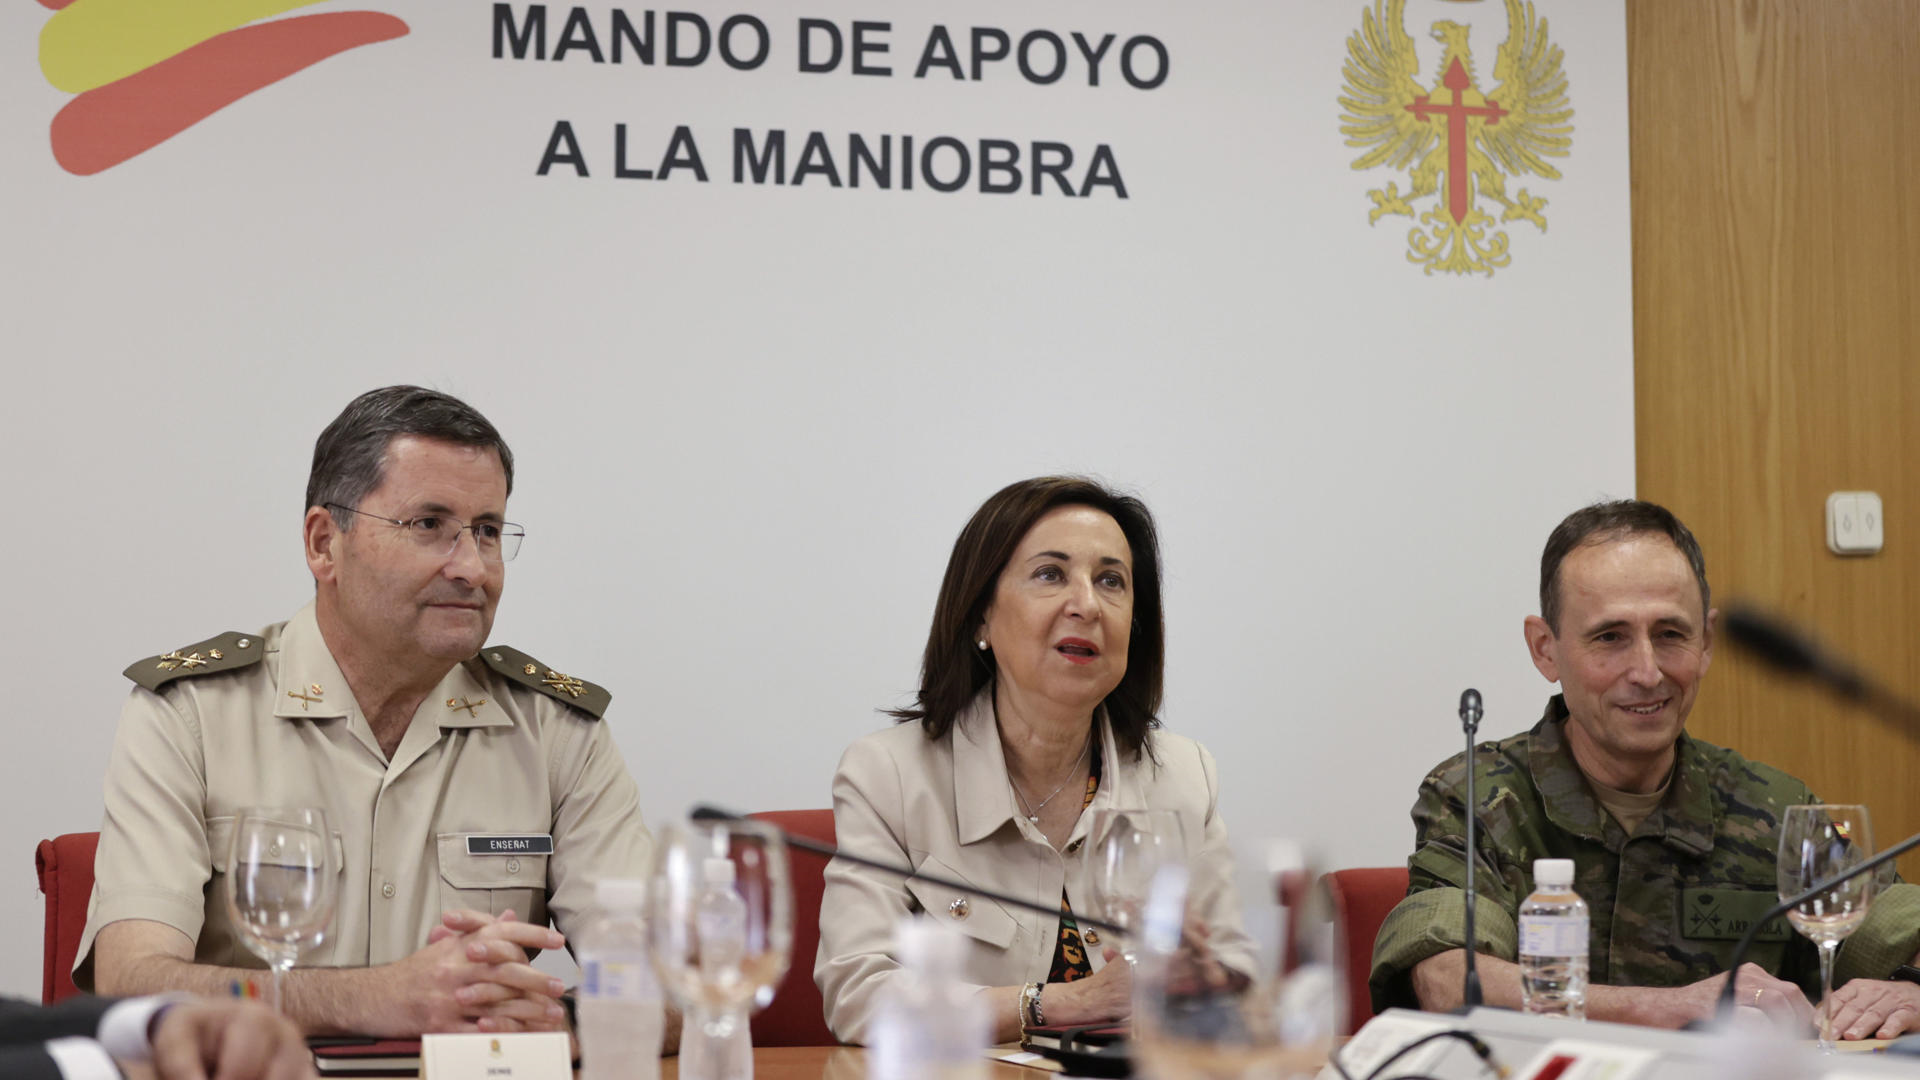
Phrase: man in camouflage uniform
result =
(1673, 840)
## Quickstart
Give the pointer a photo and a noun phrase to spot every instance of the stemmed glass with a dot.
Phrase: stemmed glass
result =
(722, 930)
(1193, 1020)
(1817, 842)
(282, 884)
(1127, 848)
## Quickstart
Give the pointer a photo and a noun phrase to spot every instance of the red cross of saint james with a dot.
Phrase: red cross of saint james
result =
(1423, 107)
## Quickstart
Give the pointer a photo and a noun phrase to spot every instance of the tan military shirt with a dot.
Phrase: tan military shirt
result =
(485, 756)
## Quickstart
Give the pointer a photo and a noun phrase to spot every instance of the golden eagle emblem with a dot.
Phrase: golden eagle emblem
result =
(1474, 140)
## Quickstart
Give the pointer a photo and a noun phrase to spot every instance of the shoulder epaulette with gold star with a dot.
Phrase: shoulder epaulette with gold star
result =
(534, 675)
(228, 652)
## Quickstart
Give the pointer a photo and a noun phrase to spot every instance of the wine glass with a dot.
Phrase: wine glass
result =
(282, 883)
(1817, 842)
(1127, 848)
(1193, 1020)
(722, 930)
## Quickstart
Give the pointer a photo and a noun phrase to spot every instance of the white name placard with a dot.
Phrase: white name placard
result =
(532, 1055)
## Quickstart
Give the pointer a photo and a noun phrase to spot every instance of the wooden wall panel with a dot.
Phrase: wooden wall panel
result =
(1776, 229)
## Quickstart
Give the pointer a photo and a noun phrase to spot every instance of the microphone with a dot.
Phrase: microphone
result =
(1725, 1010)
(1470, 710)
(714, 813)
(1790, 652)
(1785, 650)
(1470, 713)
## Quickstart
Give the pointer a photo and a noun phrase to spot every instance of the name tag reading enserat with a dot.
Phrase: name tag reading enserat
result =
(517, 844)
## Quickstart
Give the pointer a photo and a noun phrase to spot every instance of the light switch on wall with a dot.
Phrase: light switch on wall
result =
(1873, 528)
(1856, 524)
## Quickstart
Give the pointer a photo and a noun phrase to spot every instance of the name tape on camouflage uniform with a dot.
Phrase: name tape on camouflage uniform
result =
(1725, 914)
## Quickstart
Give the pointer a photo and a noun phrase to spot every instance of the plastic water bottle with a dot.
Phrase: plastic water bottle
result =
(724, 1048)
(927, 1024)
(720, 920)
(1553, 943)
(621, 1015)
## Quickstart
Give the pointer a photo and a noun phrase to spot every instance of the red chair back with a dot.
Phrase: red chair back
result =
(797, 1016)
(65, 864)
(1361, 899)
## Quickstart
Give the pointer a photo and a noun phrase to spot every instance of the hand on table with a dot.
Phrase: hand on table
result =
(226, 1040)
(1874, 1009)
(1102, 997)
(1196, 943)
(1780, 1001)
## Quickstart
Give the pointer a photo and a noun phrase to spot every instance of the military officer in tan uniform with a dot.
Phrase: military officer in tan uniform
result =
(474, 791)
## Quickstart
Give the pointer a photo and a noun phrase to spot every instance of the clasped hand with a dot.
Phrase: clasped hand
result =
(473, 975)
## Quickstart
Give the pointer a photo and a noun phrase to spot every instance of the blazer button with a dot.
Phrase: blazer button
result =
(1092, 936)
(959, 909)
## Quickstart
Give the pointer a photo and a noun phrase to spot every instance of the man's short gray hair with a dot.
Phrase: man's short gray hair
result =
(349, 458)
(1607, 521)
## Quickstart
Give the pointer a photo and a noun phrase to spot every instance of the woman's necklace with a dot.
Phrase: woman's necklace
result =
(1033, 812)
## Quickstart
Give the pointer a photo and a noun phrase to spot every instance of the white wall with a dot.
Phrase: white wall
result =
(751, 419)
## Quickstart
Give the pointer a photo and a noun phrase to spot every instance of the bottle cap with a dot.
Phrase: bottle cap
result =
(620, 894)
(1553, 873)
(717, 870)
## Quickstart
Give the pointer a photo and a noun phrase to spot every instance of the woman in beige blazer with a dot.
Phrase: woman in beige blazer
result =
(1038, 701)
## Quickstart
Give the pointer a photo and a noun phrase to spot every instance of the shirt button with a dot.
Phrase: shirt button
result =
(387, 890)
(513, 866)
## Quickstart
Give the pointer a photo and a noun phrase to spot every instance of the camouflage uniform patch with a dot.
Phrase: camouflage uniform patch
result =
(1668, 902)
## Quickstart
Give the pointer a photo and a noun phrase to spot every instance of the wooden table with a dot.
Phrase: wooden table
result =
(831, 1063)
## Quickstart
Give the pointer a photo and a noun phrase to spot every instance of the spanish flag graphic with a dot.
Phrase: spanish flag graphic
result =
(144, 71)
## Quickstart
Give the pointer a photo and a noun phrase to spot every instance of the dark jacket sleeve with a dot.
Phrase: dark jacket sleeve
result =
(31, 1062)
(24, 1023)
(24, 1027)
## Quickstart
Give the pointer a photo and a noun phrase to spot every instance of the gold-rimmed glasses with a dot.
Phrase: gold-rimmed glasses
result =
(438, 534)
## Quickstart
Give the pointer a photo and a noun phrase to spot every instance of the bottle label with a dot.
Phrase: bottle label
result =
(1553, 935)
(617, 980)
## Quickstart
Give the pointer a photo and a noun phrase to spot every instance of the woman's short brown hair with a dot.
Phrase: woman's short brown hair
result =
(954, 669)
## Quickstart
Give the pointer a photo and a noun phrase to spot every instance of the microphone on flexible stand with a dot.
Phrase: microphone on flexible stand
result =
(794, 840)
(1470, 713)
(1790, 652)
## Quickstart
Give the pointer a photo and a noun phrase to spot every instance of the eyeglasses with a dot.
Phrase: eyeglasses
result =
(497, 541)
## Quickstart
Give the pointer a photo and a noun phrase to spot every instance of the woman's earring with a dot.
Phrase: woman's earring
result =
(982, 643)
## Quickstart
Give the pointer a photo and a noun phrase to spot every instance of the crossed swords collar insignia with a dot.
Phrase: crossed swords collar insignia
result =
(1454, 134)
(566, 684)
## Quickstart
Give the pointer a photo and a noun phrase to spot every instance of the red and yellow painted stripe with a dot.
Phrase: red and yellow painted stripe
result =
(146, 70)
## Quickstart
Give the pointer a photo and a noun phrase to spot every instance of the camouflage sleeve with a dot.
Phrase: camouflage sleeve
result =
(1889, 937)
(1431, 920)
